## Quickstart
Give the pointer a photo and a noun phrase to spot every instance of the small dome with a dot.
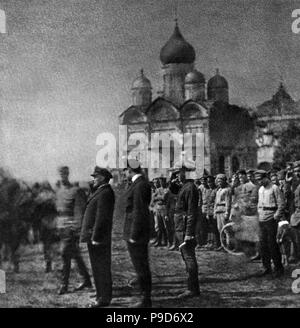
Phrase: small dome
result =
(177, 50)
(141, 82)
(194, 77)
(217, 81)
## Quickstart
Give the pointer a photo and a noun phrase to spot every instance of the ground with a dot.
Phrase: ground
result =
(225, 280)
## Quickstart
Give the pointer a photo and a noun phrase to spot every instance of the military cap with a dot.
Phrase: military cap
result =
(250, 171)
(261, 173)
(242, 171)
(221, 176)
(296, 164)
(281, 174)
(101, 171)
(63, 169)
(186, 165)
(273, 173)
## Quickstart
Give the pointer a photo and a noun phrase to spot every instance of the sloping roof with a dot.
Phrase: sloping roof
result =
(131, 115)
(193, 110)
(280, 104)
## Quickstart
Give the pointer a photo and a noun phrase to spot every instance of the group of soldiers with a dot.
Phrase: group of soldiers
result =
(271, 196)
(184, 214)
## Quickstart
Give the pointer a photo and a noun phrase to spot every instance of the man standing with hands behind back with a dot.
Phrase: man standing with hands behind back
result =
(96, 232)
(137, 229)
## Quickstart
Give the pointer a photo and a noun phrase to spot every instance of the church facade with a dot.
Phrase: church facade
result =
(190, 104)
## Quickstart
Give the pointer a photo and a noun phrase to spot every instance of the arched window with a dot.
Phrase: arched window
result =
(235, 164)
(221, 164)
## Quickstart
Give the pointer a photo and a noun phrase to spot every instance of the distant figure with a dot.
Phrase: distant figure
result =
(70, 204)
(96, 232)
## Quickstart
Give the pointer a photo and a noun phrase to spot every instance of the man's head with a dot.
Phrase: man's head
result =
(274, 178)
(261, 177)
(211, 182)
(250, 175)
(242, 175)
(101, 176)
(64, 174)
(296, 169)
(133, 168)
(281, 176)
(221, 180)
(235, 181)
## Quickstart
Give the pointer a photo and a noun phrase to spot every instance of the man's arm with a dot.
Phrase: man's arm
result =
(279, 198)
(141, 200)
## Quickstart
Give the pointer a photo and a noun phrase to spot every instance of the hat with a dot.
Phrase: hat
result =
(273, 174)
(261, 173)
(63, 169)
(221, 176)
(101, 171)
(242, 171)
(250, 171)
(296, 165)
(186, 166)
(281, 174)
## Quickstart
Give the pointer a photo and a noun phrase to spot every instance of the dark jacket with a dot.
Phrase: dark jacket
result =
(186, 211)
(137, 217)
(98, 216)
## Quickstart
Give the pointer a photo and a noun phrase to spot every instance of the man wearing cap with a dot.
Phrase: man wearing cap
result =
(185, 219)
(70, 205)
(222, 205)
(285, 188)
(96, 232)
(203, 219)
(270, 212)
(137, 229)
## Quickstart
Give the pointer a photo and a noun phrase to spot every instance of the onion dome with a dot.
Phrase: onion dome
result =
(217, 81)
(141, 82)
(194, 77)
(177, 50)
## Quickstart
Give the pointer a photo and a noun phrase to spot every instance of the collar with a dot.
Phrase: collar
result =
(136, 176)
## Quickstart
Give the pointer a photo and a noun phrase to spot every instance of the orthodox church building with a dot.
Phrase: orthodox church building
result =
(232, 137)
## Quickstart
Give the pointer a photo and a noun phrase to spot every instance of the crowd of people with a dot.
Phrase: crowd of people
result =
(180, 213)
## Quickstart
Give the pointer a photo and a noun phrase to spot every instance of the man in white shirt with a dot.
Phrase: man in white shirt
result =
(270, 211)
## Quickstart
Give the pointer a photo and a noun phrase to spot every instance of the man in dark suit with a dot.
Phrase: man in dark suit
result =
(96, 232)
(137, 229)
(185, 227)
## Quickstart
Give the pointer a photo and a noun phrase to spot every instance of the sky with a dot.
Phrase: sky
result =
(67, 67)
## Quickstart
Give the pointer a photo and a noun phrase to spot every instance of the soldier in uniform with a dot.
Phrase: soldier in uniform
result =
(202, 220)
(70, 204)
(270, 211)
(222, 205)
(185, 225)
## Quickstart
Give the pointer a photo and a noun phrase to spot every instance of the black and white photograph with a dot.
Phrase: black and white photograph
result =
(150, 155)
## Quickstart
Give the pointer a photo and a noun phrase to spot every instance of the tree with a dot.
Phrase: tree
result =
(289, 146)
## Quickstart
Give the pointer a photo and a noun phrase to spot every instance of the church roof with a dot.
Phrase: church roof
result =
(194, 77)
(280, 104)
(141, 82)
(177, 50)
(132, 115)
(217, 81)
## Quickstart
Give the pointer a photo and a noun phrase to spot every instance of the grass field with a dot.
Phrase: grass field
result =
(225, 280)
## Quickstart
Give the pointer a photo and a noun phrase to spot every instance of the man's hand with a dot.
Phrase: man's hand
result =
(188, 238)
(132, 241)
(95, 243)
